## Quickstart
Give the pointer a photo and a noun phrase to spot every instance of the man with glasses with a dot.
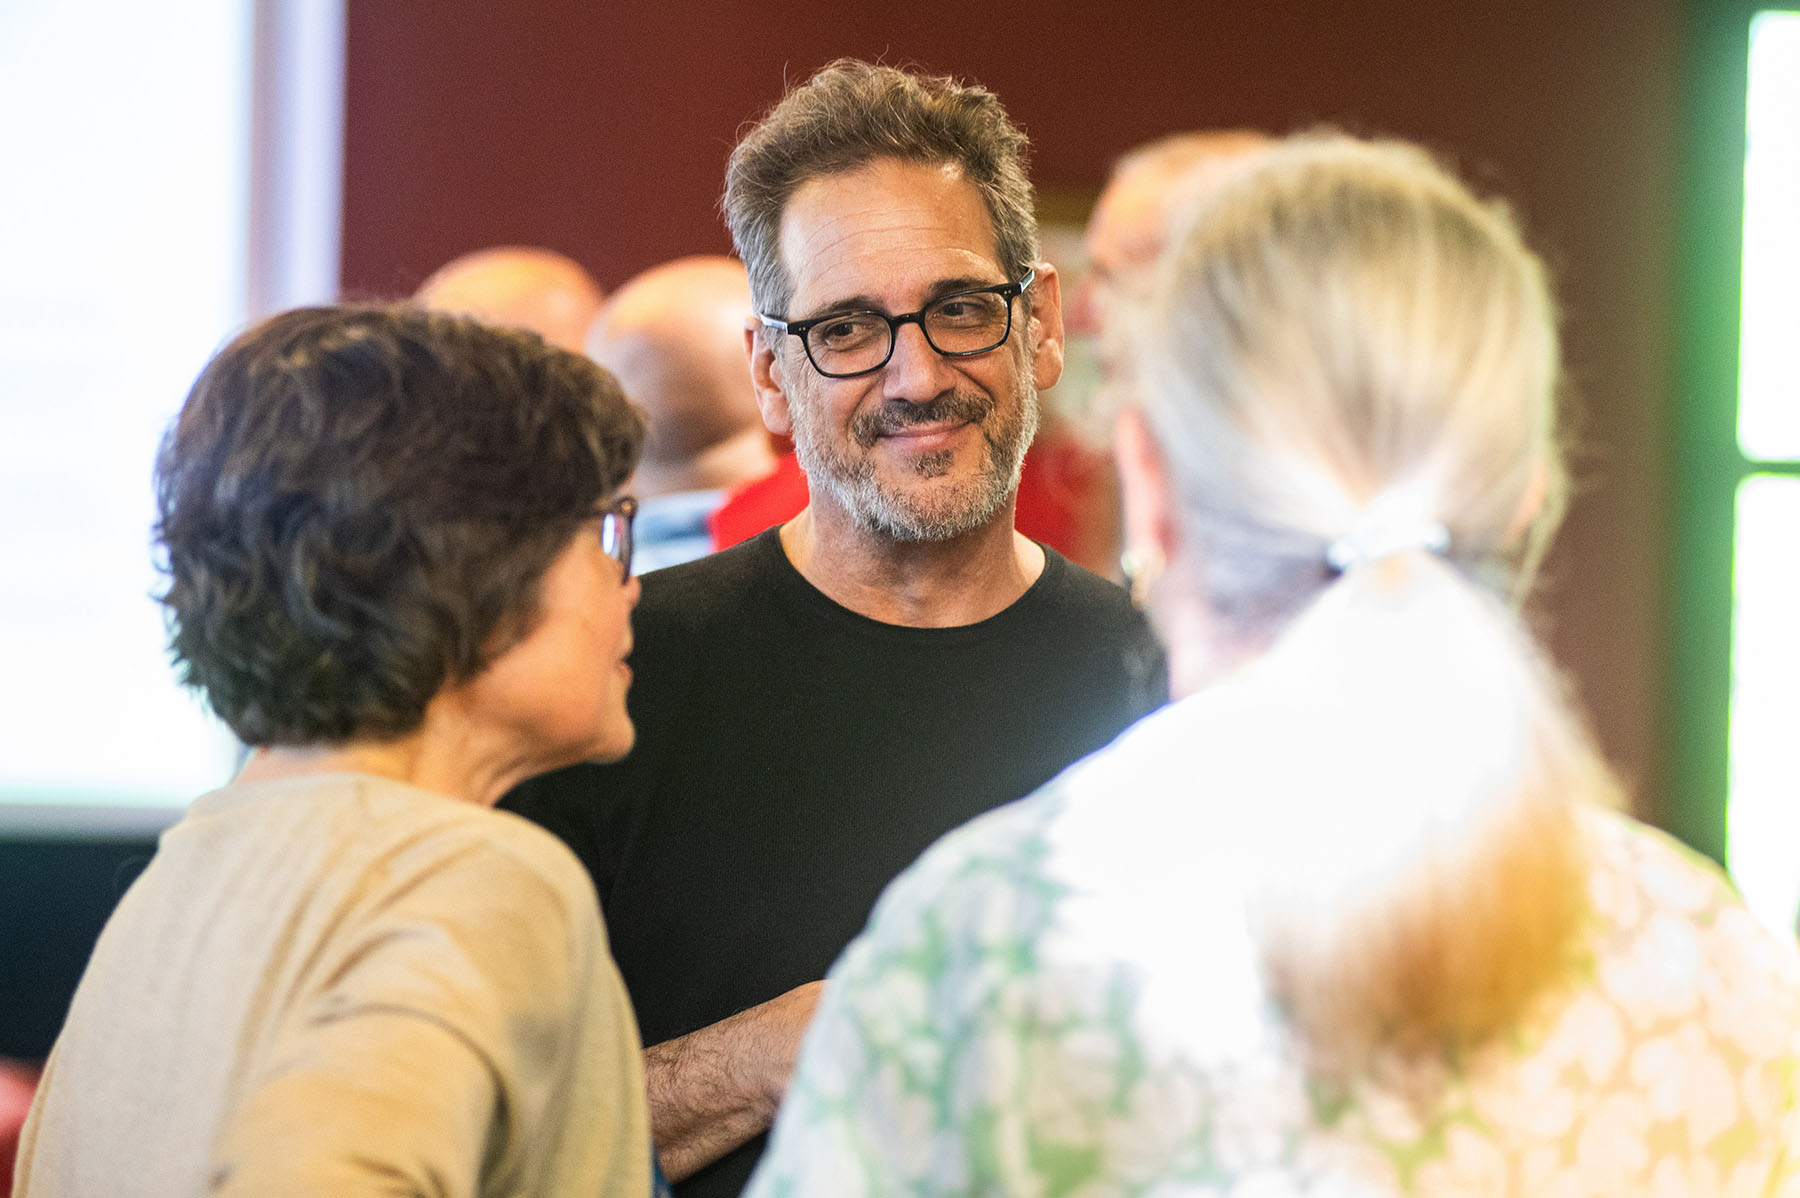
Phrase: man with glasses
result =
(818, 704)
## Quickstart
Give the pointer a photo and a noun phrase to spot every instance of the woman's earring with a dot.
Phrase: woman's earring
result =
(1141, 567)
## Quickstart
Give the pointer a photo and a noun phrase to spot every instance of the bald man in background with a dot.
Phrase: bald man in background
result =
(674, 337)
(1150, 188)
(519, 287)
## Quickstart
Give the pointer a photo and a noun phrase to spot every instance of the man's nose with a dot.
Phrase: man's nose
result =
(916, 372)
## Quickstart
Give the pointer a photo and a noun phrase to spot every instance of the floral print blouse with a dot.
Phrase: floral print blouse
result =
(1061, 999)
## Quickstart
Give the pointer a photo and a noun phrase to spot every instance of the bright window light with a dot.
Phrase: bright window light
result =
(1769, 366)
(1763, 803)
(124, 227)
(1764, 815)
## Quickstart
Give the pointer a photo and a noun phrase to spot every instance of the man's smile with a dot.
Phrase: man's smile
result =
(934, 422)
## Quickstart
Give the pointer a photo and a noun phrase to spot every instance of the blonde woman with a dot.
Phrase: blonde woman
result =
(1357, 913)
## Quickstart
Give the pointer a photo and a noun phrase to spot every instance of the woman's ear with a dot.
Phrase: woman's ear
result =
(1537, 489)
(1150, 525)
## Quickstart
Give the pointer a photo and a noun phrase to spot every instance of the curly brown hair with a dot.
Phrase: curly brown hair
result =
(356, 506)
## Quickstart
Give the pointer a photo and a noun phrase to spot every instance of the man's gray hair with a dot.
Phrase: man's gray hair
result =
(852, 113)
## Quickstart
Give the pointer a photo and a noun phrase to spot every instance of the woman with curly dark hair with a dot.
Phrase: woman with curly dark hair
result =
(399, 569)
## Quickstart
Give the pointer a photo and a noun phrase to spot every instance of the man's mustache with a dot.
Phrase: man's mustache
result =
(898, 415)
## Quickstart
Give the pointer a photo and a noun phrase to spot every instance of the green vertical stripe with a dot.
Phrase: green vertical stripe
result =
(1706, 464)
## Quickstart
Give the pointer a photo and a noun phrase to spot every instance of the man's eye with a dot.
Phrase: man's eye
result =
(844, 332)
(967, 311)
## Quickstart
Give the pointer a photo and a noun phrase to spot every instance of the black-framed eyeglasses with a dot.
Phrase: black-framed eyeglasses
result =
(615, 532)
(842, 345)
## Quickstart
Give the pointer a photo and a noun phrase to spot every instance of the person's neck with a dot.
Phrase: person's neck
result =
(447, 755)
(916, 584)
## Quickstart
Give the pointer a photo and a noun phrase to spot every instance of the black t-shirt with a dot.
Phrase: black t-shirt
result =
(794, 756)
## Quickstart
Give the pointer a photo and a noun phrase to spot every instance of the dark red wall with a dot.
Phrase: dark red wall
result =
(601, 129)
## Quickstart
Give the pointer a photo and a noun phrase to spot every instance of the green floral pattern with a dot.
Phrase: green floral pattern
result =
(1027, 1014)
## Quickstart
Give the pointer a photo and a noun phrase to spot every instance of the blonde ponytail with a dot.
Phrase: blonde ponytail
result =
(1350, 367)
(1425, 873)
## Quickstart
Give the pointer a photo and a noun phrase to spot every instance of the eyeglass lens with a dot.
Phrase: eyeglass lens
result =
(855, 342)
(615, 537)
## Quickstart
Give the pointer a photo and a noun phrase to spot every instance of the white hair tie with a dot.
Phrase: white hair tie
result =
(1373, 540)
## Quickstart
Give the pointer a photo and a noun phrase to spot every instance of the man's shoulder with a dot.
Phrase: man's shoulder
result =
(1087, 628)
(1077, 584)
(1075, 593)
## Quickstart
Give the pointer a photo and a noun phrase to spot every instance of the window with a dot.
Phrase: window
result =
(1763, 803)
(126, 226)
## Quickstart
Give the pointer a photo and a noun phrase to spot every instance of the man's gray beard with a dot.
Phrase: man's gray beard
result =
(895, 515)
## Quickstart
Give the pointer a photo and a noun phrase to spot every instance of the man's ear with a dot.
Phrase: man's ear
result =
(1046, 327)
(766, 380)
(1150, 523)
